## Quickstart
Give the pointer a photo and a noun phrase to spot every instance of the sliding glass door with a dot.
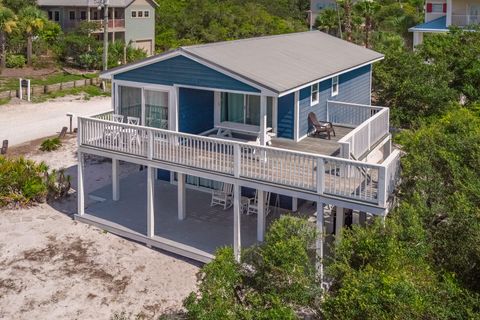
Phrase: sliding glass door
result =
(130, 101)
(156, 109)
(240, 108)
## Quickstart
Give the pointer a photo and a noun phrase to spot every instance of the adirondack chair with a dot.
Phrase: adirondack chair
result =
(223, 197)
(320, 127)
(253, 204)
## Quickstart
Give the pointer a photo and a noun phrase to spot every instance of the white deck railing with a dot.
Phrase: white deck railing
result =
(371, 125)
(304, 171)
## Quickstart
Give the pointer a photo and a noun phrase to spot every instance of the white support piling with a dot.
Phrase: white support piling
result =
(236, 221)
(182, 197)
(339, 221)
(115, 180)
(150, 202)
(261, 216)
(319, 244)
(80, 185)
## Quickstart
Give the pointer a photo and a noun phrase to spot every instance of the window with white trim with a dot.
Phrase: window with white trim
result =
(335, 86)
(315, 97)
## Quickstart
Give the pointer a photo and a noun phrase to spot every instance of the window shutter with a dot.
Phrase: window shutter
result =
(429, 7)
(444, 8)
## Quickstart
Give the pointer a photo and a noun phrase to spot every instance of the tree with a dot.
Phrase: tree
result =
(367, 10)
(7, 24)
(347, 6)
(328, 21)
(32, 21)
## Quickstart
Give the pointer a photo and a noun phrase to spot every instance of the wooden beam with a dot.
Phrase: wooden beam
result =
(182, 197)
(150, 202)
(236, 221)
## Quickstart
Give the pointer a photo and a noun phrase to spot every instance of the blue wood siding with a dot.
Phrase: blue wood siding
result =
(354, 87)
(195, 110)
(286, 116)
(183, 71)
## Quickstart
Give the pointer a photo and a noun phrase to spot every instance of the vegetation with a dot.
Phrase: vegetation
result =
(87, 91)
(50, 144)
(25, 182)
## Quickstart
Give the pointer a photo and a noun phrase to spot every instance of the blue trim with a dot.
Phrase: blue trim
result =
(183, 71)
(437, 24)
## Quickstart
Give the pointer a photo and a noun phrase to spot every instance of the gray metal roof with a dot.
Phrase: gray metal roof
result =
(86, 3)
(285, 62)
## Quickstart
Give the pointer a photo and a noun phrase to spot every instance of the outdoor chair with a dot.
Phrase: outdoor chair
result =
(253, 204)
(133, 120)
(320, 127)
(223, 197)
(118, 118)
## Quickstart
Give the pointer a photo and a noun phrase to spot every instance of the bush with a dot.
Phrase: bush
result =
(23, 182)
(15, 61)
(51, 144)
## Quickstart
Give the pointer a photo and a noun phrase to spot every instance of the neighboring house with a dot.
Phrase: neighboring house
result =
(317, 6)
(441, 14)
(233, 117)
(131, 21)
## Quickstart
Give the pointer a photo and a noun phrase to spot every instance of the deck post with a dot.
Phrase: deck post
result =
(294, 204)
(236, 221)
(80, 185)
(263, 120)
(150, 202)
(340, 218)
(261, 216)
(362, 218)
(319, 244)
(182, 204)
(115, 180)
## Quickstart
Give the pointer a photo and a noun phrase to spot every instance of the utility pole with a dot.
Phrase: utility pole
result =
(103, 4)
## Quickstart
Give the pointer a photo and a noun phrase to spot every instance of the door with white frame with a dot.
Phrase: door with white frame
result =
(474, 14)
(151, 106)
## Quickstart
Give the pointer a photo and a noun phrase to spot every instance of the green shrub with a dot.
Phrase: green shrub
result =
(15, 61)
(23, 182)
(51, 144)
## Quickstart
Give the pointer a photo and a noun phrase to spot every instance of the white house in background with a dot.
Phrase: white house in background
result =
(130, 21)
(441, 14)
(222, 122)
(317, 6)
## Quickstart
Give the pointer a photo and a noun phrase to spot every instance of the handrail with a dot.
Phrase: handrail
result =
(322, 174)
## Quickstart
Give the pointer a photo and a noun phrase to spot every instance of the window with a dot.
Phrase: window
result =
(83, 15)
(71, 15)
(146, 14)
(134, 14)
(436, 7)
(315, 95)
(57, 16)
(335, 86)
(50, 15)
(244, 109)
(140, 14)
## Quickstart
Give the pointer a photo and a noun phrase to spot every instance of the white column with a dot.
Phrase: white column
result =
(182, 196)
(319, 244)
(150, 202)
(417, 38)
(115, 180)
(236, 221)
(294, 204)
(339, 223)
(296, 116)
(263, 120)
(80, 186)
(449, 13)
(261, 216)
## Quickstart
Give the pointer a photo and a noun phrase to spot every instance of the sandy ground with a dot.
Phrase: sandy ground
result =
(20, 123)
(52, 267)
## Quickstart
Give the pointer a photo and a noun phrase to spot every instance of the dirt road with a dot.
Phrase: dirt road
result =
(23, 122)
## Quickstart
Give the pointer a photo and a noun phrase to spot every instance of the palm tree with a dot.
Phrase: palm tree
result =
(32, 21)
(327, 21)
(347, 5)
(367, 10)
(7, 24)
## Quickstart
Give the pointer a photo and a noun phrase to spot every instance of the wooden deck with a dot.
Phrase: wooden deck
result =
(318, 145)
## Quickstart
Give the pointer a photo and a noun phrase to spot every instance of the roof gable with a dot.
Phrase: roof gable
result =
(180, 70)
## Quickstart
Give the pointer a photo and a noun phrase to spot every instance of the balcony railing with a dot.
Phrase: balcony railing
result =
(323, 175)
(117, 23)
(371, 126)
(464, 20)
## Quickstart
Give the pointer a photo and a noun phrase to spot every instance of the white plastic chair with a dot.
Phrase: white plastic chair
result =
(133, 120)
(253, 204)
(118, 118)
(223, 197)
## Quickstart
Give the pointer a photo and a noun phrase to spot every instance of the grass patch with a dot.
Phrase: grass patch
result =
(12, 83)
(89, 91)
(4, 101)
(50, 144)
